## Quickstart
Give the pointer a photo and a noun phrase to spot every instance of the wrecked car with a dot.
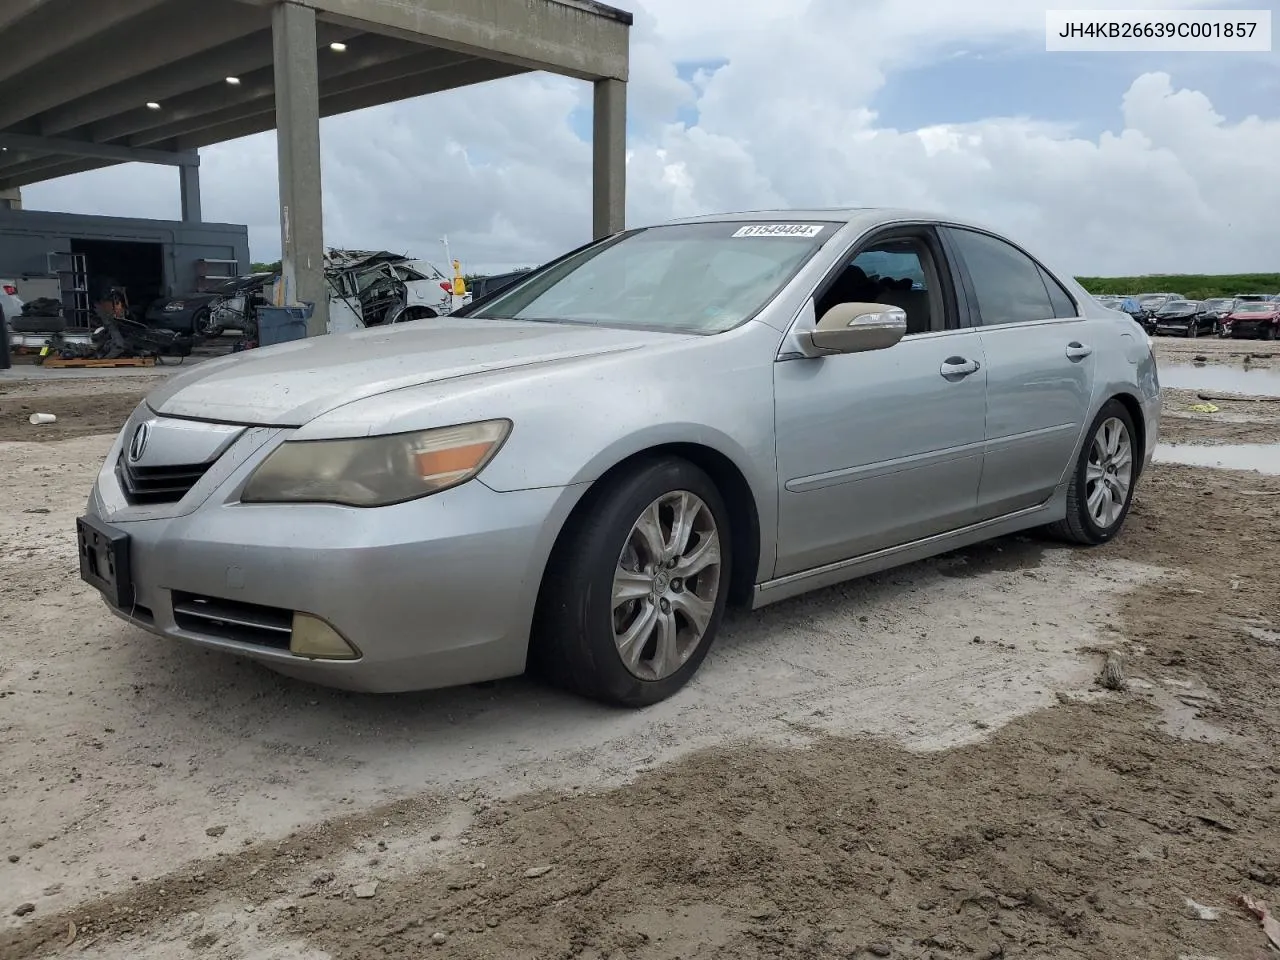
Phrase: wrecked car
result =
(369, 289)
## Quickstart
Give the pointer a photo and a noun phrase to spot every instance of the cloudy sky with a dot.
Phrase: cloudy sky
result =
(1109, 163)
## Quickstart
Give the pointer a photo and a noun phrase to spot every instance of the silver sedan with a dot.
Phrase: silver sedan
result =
(581, 470)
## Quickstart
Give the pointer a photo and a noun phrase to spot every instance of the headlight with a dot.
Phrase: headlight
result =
(375, 471)
(173, 306)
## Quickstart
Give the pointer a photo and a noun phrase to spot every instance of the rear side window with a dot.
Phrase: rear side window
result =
(1059, 299)
(1009, 285)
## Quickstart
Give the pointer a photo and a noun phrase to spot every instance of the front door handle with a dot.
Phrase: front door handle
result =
(1077, 350)
(958, 367)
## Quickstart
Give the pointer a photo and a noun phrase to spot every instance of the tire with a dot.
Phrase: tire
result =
(1080, 525)
(416, 313)
(1193, 330)
(202, 325)
(1268, 333)
(581, 628)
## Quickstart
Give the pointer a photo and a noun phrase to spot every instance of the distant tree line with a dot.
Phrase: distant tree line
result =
(1193, 286)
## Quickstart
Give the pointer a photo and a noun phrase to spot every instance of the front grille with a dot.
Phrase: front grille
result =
(167, 484)
(233, 620)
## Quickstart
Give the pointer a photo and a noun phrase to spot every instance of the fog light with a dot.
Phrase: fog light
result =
(316, 640)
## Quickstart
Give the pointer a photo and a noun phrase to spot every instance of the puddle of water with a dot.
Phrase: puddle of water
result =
(1262, 457)
(1259, 381)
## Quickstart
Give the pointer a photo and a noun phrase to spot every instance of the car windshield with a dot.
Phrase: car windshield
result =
(1254, 308)
(1175, 306)
(695, 278)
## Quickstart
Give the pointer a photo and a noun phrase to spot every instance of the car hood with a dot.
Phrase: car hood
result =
(292, 383)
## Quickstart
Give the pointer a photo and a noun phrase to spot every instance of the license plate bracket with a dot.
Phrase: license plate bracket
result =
(105, 561)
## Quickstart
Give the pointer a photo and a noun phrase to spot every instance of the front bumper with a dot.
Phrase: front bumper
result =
(1249, 330)
(432, 593)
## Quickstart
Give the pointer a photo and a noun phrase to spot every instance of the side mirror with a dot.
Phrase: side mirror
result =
(859, 327)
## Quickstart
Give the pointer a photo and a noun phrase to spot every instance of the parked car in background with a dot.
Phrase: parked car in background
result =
(1217, 308)
(373, 288)
(1185, 318)
(1252, 297)
(1253, 320)
(204, 314)
(581, 471)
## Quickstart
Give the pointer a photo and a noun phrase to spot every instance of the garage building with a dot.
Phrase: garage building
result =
(155, 80)
(73, 258)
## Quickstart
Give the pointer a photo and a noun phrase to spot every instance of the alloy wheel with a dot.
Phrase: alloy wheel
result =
(1109, 472)
(666, 585)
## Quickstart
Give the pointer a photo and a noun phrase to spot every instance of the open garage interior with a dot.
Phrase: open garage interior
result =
(89, 85)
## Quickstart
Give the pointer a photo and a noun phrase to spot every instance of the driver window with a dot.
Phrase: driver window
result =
(898, 273)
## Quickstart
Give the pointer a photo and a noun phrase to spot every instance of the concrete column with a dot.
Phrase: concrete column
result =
(609, 158)
(190, 183)
(298, 144)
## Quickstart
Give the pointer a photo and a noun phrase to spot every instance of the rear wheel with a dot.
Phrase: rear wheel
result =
(635, 592)
(1101, 487)
(416, 313)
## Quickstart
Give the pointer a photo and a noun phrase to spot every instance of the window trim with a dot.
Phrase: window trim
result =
(962, 267)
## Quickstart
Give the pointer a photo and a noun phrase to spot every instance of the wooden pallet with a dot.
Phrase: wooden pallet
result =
(117, 362)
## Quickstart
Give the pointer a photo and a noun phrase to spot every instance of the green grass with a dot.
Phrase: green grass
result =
(1193, 286)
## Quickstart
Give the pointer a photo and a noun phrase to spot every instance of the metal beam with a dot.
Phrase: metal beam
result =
(255, 93)
(52, 31)
(407, 88)
(125, 101)
(8, 181)
(168, 35)
(14, 10)
(568, 39)
(64, 147)
(330, 86)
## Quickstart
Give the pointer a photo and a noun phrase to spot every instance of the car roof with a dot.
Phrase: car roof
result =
(864, 217)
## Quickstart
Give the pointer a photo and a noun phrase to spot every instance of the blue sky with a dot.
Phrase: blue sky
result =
(1082, 89)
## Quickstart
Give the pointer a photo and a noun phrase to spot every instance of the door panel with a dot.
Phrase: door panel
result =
(1040, 369)
(1037, 399)
(877, 449)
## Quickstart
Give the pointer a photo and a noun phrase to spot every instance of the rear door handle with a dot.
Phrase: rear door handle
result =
(1077, 350)
(958, 367)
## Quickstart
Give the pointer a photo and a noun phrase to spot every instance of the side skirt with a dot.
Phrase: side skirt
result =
(795, 584)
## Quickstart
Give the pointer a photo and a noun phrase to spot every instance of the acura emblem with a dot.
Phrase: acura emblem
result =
(139, 442)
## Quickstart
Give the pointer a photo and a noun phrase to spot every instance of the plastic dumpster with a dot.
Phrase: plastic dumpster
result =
(282, 324)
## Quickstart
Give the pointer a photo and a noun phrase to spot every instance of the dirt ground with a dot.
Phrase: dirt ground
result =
(921, 764)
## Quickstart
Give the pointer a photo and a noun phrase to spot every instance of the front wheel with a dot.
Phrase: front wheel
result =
(205, 326)
(1268, 333)
(635, 591)
(1193, 330)
(1102, 483)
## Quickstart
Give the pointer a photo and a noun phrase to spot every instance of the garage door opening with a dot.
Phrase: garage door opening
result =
(134, 266)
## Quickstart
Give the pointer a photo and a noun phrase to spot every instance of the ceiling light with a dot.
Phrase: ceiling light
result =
(338, 47)
(152, 105)
(234, 81)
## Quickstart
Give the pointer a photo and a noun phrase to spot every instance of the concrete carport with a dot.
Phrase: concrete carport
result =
(86, 84)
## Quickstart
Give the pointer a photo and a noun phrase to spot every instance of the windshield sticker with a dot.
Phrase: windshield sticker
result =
(807, 230)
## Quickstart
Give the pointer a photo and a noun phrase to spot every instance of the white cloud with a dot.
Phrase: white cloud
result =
(499, 169)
